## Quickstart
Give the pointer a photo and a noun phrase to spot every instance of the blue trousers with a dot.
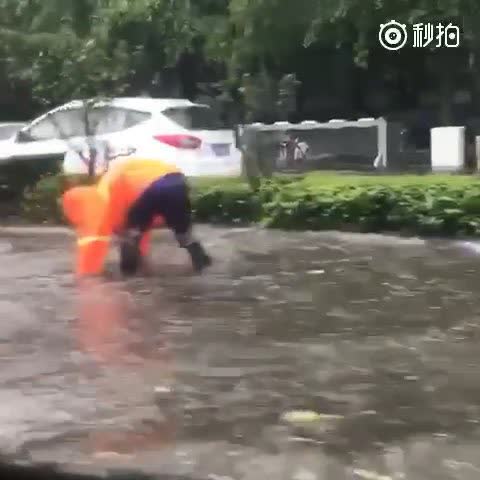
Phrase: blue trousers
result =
(168, 197)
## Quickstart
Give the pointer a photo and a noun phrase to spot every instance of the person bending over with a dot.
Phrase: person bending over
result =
(131, 198)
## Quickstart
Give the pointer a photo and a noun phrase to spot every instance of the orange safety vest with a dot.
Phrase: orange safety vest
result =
(97, 212)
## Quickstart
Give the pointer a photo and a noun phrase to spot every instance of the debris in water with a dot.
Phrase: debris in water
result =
(367, 475)
(307, 416)
(164, 398)
(212, 476)
(316, 272)
(304, 474)
(111, 456)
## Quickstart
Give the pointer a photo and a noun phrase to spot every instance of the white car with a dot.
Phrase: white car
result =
(173, 130)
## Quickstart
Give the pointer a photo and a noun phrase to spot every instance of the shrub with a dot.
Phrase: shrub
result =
(17, 176)
(427, 205)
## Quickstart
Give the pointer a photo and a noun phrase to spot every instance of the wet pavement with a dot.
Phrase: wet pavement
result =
(176, 373)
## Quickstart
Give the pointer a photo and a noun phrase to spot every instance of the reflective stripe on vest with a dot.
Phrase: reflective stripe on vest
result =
(86, 240)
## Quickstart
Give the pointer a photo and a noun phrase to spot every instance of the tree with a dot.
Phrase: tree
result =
(156, 33)
(66, 55)
(362, 19)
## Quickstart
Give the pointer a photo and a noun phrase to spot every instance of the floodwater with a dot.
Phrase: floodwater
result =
(192, 375)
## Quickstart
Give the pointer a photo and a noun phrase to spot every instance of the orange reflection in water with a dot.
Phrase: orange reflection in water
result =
(128, 442)
(102, 320)
(103, 311)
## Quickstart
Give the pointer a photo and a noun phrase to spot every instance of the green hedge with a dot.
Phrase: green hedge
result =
(435, 205)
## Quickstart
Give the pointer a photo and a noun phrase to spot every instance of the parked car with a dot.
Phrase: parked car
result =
(175, 130)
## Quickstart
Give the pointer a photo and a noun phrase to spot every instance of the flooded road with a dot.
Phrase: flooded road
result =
(192, 375)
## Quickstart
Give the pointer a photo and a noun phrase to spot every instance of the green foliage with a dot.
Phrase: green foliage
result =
(15, 177)
(265, 30)
(79, 68)
(40, 204)
(63, 50)
(266, 99)
(236, 204)
(157, 32)
(436, 207)
(67, 49)
(427, 205)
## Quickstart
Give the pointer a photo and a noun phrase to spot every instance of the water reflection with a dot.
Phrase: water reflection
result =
(103, 313)
(110, 329)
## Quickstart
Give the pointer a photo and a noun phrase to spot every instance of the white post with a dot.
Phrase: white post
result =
(447, 149)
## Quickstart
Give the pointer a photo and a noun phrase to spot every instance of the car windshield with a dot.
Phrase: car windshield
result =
(194, 117)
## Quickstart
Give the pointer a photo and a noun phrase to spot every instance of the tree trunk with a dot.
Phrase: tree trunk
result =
(445, 65)
(92, 152)
(446, 91)
(475, 77)
(92, 161)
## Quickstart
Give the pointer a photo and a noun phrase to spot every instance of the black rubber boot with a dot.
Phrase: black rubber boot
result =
(200, 259)
(130, 257)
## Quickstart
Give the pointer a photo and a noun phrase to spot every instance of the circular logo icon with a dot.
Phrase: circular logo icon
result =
(392, 35)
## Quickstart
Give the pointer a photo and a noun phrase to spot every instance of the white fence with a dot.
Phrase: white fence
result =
(366, 144)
